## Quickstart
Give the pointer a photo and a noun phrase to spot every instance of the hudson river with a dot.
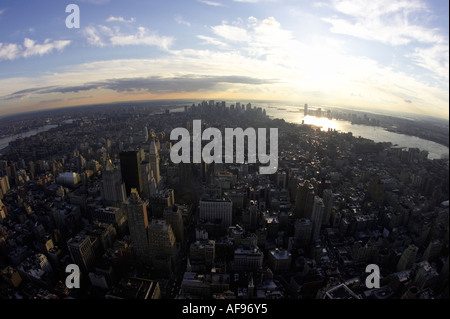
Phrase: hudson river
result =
(377, 134)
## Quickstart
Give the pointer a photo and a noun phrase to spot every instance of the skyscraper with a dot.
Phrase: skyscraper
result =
(154, 160)
(328, 201)
(304, 200)
(130, 166)
(303, 232)
(174, 218)
(113, 190)
(212, 209)
(408, 258)
(317, 216)
(161, 239)
(82, 252)
(305, 110)
(138, 225)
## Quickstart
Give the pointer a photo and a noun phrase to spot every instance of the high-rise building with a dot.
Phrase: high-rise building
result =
(160, 201)
(138, 225)
(130, 167)
(174, 218)
(303, 232)
(250, 217)
(3, 211)
(432, 251)
(305, 110)
(328, 202)
(319, 112)
(161, 239)
(217, 209)
(248, 259)
(113, 190)
(408, 258)
(304, 200)
(154, 160)
(279, 260)
(82, 252)
(202, 254)
(426, 276)
(146, 135)
(317, 216)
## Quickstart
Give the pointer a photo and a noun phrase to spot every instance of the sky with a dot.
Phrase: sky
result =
(380, 54)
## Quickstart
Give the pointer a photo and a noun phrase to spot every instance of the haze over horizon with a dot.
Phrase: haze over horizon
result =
(390, 55)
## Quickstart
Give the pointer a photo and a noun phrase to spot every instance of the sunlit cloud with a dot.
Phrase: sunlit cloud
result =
(387, 21)
(257, 58)
(154, 84)
(435, 59)
(396, 23)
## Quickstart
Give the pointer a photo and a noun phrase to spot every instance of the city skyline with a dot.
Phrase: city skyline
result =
(390, 55)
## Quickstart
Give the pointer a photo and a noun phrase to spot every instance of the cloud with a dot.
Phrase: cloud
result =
(9, 51)
(395, 23)
(434, 59)
(254, 1)
(211, 3)
(230, 32)
(12, 51)
(180, 20)
(388, 21)
(153, 84)
(2, 11)
(321, 72)
(102, 36)
(31, 48)
(120, 19)
(213, 41)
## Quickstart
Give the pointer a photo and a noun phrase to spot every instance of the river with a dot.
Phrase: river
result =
(377, 134)
(4, 142)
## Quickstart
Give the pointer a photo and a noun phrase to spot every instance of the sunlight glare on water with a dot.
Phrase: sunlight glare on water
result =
(322, 122)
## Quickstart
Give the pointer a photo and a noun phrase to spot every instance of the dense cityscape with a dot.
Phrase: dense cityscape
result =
(99, 190)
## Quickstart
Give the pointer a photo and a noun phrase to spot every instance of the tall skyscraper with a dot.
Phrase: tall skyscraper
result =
(305, 110)
(154, 161)
(433, 250)
(303, 232)
(250, 216)
(82, 252)
(317, 216)
(174, 218)
(138, 225)
(408, 258)
(304, 200)
(113, 190)
(328, 201)
(146, 136)
(130, 166)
